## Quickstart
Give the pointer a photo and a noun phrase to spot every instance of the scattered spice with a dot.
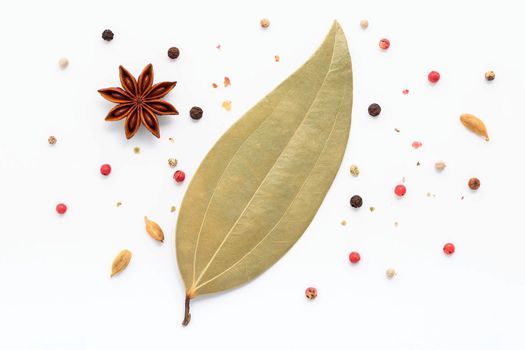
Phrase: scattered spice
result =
(218, 47)
(277, 58)
(265, 23)
(363, 23)
(173, 52)
(372, 209)
(490, 75)
(105, 169)
(384, 44)
(107, 35)
(52, 140)
(343, 222)
(136, 150)
(196, 113)
(418, 163)
(61, 208)
(354, 170)
(227, 82)
(433, 77)
(400, 190)
(449, 248)
(405, 92)
(310, 293)
(396, 224)
(397, 130)
(440, 165)
(474, 124)
(390, 273)
(120, 262)
(173, 208)
(356, 201)
(172, 162)
(63, 63)
(179, 176)
(474, 183)
(227, 105)
(354, 257)
(214, 85)
(374, 109)
(119, 204)
(416, 144)
(139, 103)
(171, 139)
(154, 230)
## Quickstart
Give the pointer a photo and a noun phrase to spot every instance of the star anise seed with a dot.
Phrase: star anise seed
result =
(139, 102)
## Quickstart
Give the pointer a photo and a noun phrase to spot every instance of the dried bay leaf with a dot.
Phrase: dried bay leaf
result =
(260, 186)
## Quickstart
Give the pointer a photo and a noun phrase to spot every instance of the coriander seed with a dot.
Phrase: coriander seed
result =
(490, 75)
(354, 170)
(63, 63)
(364, 23)
(440, 165)
(265, 23)
(173, 53)
(52, 140)
(172, 162)
(390, 273)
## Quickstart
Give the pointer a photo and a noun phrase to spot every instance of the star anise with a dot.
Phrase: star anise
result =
(139, 101)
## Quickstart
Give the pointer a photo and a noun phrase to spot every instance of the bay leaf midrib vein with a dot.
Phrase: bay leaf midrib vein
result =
(269, 171)
(289, 206)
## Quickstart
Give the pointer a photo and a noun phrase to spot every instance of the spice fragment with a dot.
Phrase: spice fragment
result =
(153, 229)
(119, 204)
(227, 105)
(390, 273)
(354, 170)
(136, 150)
(277, 58)
(440, 165)
(213, 85)
(265, 23)
(363, 23)
(63, 63)
(172, 162)
(227, 82)
(343, 222)
(52, 140)
(173, 208)
(490, 75)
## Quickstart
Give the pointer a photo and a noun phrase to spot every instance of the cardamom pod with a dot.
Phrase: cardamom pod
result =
(120, 262)
(475, 125)
(154, 230)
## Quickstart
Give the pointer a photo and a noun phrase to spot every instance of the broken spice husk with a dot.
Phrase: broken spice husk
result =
(154, 230)
(120, 262)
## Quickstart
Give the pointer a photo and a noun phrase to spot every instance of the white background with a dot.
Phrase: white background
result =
(55, 290)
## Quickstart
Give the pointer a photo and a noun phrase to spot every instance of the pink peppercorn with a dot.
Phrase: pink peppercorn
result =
(433, 77)
(354, 257)
(400, 190)
(61, 208)
(384, 44)
(105, 169)
(179, 176)
(449, 248)
(310, 293)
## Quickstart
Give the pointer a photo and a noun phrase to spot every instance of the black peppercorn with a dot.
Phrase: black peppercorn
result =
(107, 35)
(173, 53)
(356, 201)
(374, 109)
(196, 113)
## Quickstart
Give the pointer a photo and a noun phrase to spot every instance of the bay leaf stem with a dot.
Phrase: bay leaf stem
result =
(187, 315)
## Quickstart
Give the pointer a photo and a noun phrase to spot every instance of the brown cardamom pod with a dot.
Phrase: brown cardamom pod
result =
(154, 230)
(120, 262)
(475, 125)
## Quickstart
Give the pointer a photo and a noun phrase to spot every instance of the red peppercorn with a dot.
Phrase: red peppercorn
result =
(310, 293)
(354, 257)
(179, 176)
(105, 169)
(384, 44)
(433, 77)
(449, 248)
(400, 190)
(61, 208)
